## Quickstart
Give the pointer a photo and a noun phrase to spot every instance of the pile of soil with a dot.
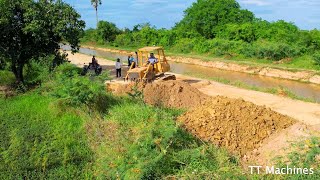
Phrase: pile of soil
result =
(174, 94)
(235, 124)
(123, 88)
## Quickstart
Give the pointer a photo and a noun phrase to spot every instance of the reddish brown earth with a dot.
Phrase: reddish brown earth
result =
(235, 124)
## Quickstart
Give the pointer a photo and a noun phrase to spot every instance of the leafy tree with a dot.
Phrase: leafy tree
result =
(107, 31)
(31, 29)
(207, 17)
(278, 31)
(95, 4)
(244, 32)
(315, 36)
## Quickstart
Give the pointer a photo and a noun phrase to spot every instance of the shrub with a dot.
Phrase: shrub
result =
(124, 40)
(202, 46)
(275, 51)
(184, 45)
(316, 57)
(6, 77)
(220, 47)
(78, 90)
(37, 72)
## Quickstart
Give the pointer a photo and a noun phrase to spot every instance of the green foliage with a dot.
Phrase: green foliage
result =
(41, 141)
(222, 28)
(305, 154)
(96, 3)
(32, 29)
(184, 45)
(6, 78)
(76, 89)
(316, 57)
(245, 32)
(145, 143)
(89, 35)
(38, 71)
(106, 32)
(2, 63)
(206, 17)
(273, 51)
(136, 94)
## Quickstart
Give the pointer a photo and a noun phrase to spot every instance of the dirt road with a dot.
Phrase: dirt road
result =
(308, 113)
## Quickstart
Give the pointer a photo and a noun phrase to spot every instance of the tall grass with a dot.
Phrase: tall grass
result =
(145, 143)
(39, 140)
(6, 77)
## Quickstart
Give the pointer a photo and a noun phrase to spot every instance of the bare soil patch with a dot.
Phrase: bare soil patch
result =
(175, 94)
(238, 125)
(235, 124)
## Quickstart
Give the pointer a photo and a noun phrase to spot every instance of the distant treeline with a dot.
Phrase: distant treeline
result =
(219, 28)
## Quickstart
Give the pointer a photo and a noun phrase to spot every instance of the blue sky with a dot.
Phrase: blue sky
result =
(165, 13)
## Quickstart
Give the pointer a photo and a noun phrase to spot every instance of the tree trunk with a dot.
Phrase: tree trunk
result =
(97, 16)
(18, 73)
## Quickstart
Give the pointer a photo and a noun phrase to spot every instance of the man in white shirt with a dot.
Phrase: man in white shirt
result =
(152, 60)
(118, 67)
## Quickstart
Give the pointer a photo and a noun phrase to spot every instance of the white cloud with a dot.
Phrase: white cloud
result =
(255, 2)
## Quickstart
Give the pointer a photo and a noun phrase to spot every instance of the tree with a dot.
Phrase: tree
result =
(95, 4)
(208, 17)
(31, 29)
(107, 31)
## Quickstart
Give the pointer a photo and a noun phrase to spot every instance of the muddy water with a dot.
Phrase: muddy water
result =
(301, 89)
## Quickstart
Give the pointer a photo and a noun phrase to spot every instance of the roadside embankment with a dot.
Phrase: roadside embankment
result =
(290, 74)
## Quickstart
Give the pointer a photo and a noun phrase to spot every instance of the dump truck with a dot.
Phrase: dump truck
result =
(146, 71)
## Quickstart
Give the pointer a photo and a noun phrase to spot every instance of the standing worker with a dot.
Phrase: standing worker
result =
(129, 62)
(137, 58)
(118, 68)
(134, 61)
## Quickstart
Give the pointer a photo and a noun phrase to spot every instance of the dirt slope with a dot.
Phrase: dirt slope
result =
(238, 125)
(176, 94)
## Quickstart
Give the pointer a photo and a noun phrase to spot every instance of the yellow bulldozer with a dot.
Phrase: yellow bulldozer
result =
(147, 70)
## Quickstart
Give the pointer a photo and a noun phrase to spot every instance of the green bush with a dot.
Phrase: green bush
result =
(78, 90)
(6, 77)
(270, 50)
(124, 40)
(220, 47)
(37, 72)
(184, 45)
(316, 57)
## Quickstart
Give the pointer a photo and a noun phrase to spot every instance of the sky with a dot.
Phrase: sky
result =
(165, 13)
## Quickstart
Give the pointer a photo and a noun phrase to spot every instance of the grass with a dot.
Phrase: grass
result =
(277, 91)
(144, 142)
(6, 77)
(44, 136)
(305, 154)
(39, 140)
(305, 62)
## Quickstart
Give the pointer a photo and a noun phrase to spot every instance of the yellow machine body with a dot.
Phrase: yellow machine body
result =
(145, 71)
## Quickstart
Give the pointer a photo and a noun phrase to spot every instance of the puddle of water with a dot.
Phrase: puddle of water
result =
(301, 89)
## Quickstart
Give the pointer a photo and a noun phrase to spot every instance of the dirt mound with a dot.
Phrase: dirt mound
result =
(124, 88)
(176, 94)
(238, 125)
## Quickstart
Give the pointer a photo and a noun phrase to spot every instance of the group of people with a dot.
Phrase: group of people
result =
(133, 62)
